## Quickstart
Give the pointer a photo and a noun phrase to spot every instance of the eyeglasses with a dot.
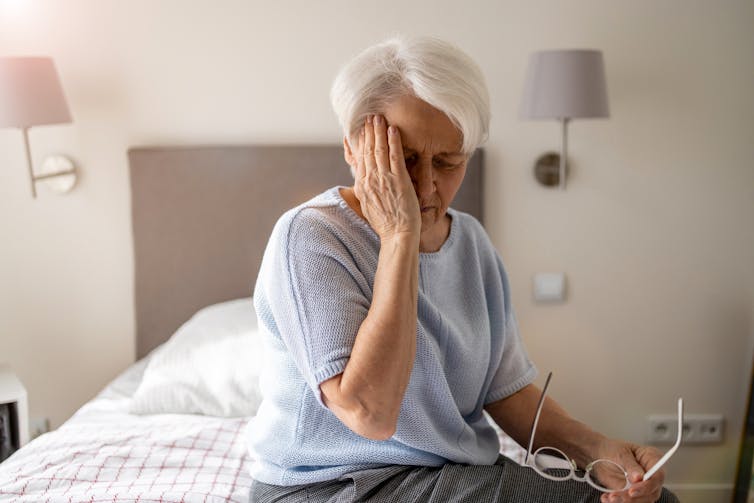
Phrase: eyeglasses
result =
(604, 475)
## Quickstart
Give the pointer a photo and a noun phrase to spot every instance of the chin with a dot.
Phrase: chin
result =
(429, 219)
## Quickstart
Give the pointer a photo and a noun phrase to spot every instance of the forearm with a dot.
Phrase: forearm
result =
(371, 388)
(556, 427)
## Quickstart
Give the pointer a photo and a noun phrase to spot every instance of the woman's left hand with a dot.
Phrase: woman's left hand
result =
(636, 459)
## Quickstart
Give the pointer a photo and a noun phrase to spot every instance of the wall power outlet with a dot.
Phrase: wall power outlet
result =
(697, 429)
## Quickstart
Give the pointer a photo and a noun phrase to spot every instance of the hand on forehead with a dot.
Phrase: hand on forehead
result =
(424, 129)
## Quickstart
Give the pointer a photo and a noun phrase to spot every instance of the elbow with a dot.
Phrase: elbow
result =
(371, 425)
(371, 419)
(368, 422)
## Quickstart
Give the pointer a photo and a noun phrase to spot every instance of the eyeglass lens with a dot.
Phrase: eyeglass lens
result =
(604, 475)
(552, 463)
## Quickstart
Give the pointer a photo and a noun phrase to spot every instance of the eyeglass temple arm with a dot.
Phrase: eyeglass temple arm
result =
(536, 418)
(672, 450)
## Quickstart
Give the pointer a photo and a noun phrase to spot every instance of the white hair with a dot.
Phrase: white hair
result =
(433, 70)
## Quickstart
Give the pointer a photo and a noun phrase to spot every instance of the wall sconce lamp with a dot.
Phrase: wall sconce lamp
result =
(31, 95)
(563, 85)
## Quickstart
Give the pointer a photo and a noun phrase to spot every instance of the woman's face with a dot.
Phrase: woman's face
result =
(434, 160)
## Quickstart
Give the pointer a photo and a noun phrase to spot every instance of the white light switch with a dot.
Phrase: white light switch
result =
(549, 287)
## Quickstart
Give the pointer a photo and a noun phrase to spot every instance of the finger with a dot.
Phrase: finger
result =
(639, 492)
(368, 147)
(397, 161)
(380, 144)
(360, 168)
(649, 489)
(612, 498)
(633, 468)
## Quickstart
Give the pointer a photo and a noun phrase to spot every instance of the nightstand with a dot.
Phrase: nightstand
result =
(14, 413)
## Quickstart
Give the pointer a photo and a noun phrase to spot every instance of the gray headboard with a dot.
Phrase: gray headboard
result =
(202, 216)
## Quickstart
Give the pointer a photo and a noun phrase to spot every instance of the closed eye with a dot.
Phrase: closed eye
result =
(411, 159)
(445, 164)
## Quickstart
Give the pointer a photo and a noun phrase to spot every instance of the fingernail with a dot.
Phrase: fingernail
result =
(391, 130)
(377, 119)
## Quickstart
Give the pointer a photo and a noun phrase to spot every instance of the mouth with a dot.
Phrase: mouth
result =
(426, 209)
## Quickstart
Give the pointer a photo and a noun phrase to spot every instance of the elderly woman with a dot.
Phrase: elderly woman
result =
(388, 317)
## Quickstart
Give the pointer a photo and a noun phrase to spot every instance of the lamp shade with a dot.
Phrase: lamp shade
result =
(30, 93)
(565, 84)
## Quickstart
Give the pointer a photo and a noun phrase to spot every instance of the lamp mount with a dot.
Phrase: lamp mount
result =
(551, 168)
(57, 171)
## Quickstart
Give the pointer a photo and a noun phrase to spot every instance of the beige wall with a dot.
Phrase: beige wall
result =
(654, 232)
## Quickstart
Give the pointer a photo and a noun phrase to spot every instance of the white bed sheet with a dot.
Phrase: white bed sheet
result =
(103, 453)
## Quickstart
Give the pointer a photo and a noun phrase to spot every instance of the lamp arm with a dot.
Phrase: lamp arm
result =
(54, 174)
(564, 153)
(28, 161)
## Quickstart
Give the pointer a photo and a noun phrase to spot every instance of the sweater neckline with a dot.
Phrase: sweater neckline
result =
(353, 216)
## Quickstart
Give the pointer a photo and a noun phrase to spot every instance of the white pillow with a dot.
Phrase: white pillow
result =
(209, 366)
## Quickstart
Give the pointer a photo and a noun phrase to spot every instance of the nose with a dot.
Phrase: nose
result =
(422, 176)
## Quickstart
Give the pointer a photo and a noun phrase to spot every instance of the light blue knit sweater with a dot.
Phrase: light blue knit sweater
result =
(313, 291)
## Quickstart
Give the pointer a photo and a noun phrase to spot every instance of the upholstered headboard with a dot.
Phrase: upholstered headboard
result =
(202, 216)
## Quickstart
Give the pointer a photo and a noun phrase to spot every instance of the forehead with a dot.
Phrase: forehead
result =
(423, 128)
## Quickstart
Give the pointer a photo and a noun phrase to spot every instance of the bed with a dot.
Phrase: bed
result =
(171, 427)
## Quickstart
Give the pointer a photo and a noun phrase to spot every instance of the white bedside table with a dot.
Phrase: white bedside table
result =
(12, 392)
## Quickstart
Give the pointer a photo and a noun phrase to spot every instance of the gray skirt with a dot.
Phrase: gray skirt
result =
(505, 481)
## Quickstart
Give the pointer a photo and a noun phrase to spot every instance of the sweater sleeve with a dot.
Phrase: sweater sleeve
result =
(515, 370)
(311, 295)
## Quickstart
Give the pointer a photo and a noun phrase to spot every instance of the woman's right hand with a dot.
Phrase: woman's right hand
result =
(383, 186)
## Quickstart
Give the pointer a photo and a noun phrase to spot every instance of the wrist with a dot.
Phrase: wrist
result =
(591, 448)
(407, 238)
(579, 442)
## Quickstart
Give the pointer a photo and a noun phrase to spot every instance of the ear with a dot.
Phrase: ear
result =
(348, 154)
